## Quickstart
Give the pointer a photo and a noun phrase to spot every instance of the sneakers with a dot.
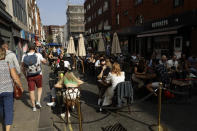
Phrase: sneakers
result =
(34, 109)
(51, 104)
(63, 115)
(38, 104)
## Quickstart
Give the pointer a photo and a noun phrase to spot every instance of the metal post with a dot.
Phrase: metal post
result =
(159, 127)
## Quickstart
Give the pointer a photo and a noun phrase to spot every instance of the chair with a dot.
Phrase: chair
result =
(182, 86)
(72, 98)
(123, 90)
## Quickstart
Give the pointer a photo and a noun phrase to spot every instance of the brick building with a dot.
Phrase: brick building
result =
(144, 26)
(166, 27)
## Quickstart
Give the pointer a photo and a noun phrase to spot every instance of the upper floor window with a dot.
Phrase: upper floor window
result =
(105, 7)
(178, 3)
(117, 19)
(88, 7)
(138, 2)
(156, 1)
(139, 20)
(100, 11)
(117, 2)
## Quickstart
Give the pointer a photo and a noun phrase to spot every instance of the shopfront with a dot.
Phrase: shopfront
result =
(167, 36)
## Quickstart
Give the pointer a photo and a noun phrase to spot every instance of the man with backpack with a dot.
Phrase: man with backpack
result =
(31, 67)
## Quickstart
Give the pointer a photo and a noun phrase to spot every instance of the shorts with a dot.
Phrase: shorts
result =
(34, 81)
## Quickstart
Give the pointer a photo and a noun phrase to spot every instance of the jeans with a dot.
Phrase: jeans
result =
(7, 105)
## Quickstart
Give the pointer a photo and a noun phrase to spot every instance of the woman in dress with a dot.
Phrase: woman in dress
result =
(115, 77)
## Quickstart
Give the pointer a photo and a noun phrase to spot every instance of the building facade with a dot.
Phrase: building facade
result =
(56, 33)
(75, 20)
(145, 26)
(5, 23)
(20, 30)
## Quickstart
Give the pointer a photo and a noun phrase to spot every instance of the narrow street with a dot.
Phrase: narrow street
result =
(142, 116)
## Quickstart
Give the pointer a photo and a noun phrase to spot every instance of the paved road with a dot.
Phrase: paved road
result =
(176, 117)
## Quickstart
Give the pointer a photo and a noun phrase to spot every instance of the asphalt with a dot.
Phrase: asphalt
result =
(175, 116)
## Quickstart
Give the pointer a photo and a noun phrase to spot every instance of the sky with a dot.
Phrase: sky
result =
(53, 12)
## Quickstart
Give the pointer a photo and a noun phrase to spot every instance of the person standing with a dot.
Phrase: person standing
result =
(11, 57)
(31, 67)
(7, 76)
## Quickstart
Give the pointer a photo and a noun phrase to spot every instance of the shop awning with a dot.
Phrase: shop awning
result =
(159, 32)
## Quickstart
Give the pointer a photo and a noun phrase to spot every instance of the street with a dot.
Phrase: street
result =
(176, 117)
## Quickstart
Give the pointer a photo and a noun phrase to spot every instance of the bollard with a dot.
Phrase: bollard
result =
(159, 127)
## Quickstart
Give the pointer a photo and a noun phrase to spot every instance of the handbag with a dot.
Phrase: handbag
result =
(17, 92)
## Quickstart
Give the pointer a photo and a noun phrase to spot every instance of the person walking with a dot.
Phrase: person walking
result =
(11, 57)
(31, 67)
(7, 76)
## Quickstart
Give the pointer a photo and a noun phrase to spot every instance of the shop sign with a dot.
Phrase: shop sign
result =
(95, 36)
(160, 23)
(107, 27)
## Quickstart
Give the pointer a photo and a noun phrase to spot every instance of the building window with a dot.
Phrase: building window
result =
(126, 13)
(100, 11)
(117, 19)
(137, 2)
(178, 3)
(117, 2)
(105, 7)
(139, 20)
(88, 7)
(156, 1)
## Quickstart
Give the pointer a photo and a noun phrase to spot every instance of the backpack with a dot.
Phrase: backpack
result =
(31, 65)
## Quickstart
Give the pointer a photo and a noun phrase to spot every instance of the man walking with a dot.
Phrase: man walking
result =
(31, 67)
(11, 57)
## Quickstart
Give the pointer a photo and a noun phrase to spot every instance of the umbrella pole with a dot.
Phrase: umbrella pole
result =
(82, 63)
(74, 62)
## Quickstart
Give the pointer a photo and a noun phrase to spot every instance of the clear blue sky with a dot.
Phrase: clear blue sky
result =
(53, 12)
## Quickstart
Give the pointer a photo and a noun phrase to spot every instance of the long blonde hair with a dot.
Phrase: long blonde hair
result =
(116, 69)
(71, 77)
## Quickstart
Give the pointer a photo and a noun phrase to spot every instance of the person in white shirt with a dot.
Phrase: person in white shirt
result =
(163, 60)
(173, 63)
(115, 77)
(33, 74)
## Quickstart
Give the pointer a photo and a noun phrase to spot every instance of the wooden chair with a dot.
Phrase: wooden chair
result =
(72, 98)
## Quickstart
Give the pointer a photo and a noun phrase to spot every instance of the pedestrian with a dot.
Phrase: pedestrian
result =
(11, 57)
(31, 67)
(7, 76)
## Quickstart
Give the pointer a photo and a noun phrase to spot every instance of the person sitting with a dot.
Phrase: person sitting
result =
(139, 70)
(91, 59)
(104, 70)
(114, 77)
(163, 60)
(69, 80)
(162, 76)
(173, 63)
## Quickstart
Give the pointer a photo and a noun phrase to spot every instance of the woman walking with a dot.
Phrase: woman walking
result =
(7, 76)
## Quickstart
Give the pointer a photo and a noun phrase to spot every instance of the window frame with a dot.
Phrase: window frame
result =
(180, 3)
(138, 2)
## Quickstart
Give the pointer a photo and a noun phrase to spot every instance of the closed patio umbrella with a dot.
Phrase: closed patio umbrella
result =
(115, 45)
(81, 51)
(81, 46)
(101, 46)
(71, 46)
